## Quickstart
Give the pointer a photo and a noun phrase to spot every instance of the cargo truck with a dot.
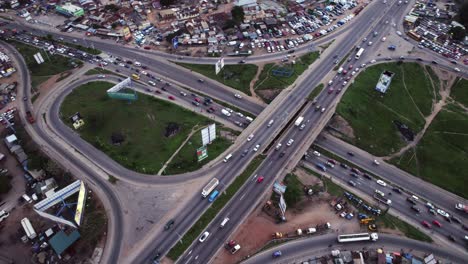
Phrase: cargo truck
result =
(380, 198)
(28, 228)
(210, 187)
(299, 121)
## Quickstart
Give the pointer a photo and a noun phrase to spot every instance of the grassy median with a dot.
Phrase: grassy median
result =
(237, 76)
(140, 135)
(215, 208)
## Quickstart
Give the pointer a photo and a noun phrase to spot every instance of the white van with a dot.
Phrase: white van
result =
(311, 230)
(271, 123)
(224, 222)
(249, 118)
(340, 70)
(137, 64)
(227, 157)
(225, 112)
(26, 198)
(235, 249)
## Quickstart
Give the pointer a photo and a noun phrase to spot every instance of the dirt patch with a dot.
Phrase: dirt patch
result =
(259, 227)
(340, 126)
(305, 177)
(268, 95)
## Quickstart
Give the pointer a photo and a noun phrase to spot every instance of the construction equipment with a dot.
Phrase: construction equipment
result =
(366, 221)
(279, 235)
(372, 227)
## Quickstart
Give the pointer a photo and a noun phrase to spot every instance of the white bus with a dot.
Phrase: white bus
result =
(359, 53)
(210, 187)
(358, 237)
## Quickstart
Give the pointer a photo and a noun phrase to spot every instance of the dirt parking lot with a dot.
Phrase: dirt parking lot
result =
(259, 227)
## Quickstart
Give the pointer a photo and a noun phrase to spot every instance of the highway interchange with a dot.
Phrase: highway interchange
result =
(281, 110)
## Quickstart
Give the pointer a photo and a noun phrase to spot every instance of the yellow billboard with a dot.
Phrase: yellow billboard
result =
(80, 204)
(126, 33)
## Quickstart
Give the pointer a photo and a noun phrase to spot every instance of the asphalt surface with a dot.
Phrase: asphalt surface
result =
(399, 204)
(305, 249)
(244, 200)
(390, 173)
(91, 178)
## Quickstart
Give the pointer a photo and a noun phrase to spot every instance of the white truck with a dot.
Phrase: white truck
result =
(461, 207)
(225, 112)
(28, 228)
(382, 199)
(209, 187)
(299, 121)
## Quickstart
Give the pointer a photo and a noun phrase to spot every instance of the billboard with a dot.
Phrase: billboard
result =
(80, 205)
(279, 187)
(126, 33)
(282, 204)
(38, 58)
(219, 65)
(114, 92)
(202, 153)
(208, 134)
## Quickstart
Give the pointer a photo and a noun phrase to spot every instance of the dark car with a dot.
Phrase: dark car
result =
(451, 238)
(169, 224)
(397, 190)
(354, 175)
(282, 154)
(245, 152)
(367, 176)
(351, 153)
(416, 209)
(456, 220)
(343, 165)
(411, 200)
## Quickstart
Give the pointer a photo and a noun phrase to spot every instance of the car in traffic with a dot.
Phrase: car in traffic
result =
(277, 254)
(250, 137)
(238, 96)
(316, 153)
(171, 97)
(256, 147)
(442, 213)
(290, 142)
(204, 236)
(415, 208)
(426, 224)
(260, 179)
(436, 223)
(352, 183)
(381, 183)
(169, 224)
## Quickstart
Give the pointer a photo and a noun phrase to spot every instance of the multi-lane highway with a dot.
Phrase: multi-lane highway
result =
(279, 110)
(309, 248)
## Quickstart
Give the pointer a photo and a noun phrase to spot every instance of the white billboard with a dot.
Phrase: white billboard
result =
(222, 63)
(282, 204)
(217, 67)
(38, 58)
(208, 134)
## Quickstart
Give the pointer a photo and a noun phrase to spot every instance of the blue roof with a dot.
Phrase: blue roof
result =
(61, 241)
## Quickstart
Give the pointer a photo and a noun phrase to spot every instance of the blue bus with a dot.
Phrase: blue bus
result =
(321, 166)
(213, 196)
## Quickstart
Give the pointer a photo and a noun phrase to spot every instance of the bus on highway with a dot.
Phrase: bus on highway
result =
(213, 196)
(209, 187)
(358, 237)
(359, 53)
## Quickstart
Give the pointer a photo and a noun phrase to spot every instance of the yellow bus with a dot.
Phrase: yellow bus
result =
(136, 76)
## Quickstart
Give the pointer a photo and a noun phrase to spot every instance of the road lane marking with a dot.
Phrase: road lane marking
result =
(242, 197)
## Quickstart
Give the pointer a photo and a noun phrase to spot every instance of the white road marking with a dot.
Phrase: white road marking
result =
(242, 197)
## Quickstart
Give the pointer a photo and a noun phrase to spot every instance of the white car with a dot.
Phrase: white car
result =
(290, 141)
(256, 147)
(442, 213)
(383, 39)
(316, 153)
(376, 162)
(144, 73)
(238, 96)
(101, 76)
(250, 137)
(239, 114)
(302, 127)
(456, 69)
(204, 237)
(183, 93)
(152, 83)
(381, 183)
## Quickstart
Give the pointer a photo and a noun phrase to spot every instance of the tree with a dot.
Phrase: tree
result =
(237, 13)
(463, 15)
(111, 7)
(167, 2)
(458, 33)
(229, 24)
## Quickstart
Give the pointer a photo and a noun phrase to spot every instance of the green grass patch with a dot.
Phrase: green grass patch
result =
(294, 192)
(34, 97)
(215, 208)
(186, 159)
(371, 114)
(237, 76)
(53, 64)
(390, 221)
(440, 156)
(315, 92)
(267, 80)
(142, 123)
(459, 91)
(435, 80)
(386, 220)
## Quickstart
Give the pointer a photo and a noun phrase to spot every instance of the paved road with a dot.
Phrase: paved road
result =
(79, 169)
(304, 249)
(399, 205)
(429, 192)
